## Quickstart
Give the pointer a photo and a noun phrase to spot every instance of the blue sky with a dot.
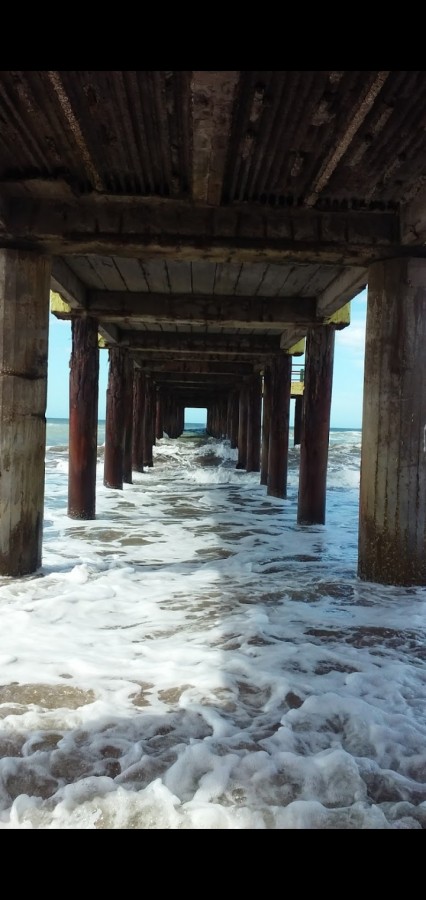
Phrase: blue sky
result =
(348, 372)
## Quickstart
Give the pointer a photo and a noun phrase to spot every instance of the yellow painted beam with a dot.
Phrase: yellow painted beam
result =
(58, 305)
(297, 349)
(341, 318)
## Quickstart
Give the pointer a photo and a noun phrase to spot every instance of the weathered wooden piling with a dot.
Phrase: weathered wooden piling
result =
(254, 420)
(279, 426)
(316, 425)
(138, 419)
(266, 423)
(149, 423)
(298, 410)
(159, 402)
(114, 423)
(392, 520)
(24, 327)
(83, 418)
(128, 420)
(242, 428)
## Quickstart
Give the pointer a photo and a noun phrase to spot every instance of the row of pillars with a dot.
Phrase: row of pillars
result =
(392, 510)
(137, 413)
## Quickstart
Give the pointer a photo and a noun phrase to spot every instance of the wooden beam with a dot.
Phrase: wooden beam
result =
(356, 116)
(212, 106)
(170, 229)
(344, 288)
(150, 356)
(228, 312)
(195, 379)
(66, 283)
(195, 367)
(180, 343)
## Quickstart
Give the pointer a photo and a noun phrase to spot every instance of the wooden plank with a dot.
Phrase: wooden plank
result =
(108, 273)
(179, 276)
(156, 276)
(203, 277)
(229, 312)
(131, 272)
(227, 275)
(250, 279)
(84, 270)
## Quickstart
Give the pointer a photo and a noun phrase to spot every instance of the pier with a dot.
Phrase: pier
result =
(206, 229)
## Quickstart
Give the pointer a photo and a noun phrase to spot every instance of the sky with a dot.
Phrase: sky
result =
(348, 372)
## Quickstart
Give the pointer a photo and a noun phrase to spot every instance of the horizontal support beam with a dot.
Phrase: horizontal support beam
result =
(140, 357)
(148, 228)
(185, 367)
(180, 343)
(65, 282)
(228, 312)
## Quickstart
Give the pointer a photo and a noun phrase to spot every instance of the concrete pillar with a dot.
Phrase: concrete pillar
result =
(315, 425)
(83, 416)
(392, 520)
(254, 419)
(279, 426)
(24, 329)
(114, 423)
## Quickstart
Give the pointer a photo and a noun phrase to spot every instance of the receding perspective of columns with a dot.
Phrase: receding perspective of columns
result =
(24, 329)
(114, 423)
(392, 520)
(316, 425)
(279, 426)
(83, 412)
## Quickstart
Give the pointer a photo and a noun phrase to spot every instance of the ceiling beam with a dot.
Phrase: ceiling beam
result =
(148, 229)
(179, 343)
(196, 367)
(228, 312)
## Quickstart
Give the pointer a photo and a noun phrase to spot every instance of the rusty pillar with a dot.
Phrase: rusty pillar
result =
(254, 418)
(24, 329)
(392, 520)
(315, 425)
(298, 409)
(266, 423)
(242, 428)
(138, 419)
(83, 414)
(279, 426)
(128, 420)
(114, 424)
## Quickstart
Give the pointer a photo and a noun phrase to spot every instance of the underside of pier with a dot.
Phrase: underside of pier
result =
(203, 228)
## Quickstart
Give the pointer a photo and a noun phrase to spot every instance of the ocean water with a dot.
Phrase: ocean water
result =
(194, 659)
